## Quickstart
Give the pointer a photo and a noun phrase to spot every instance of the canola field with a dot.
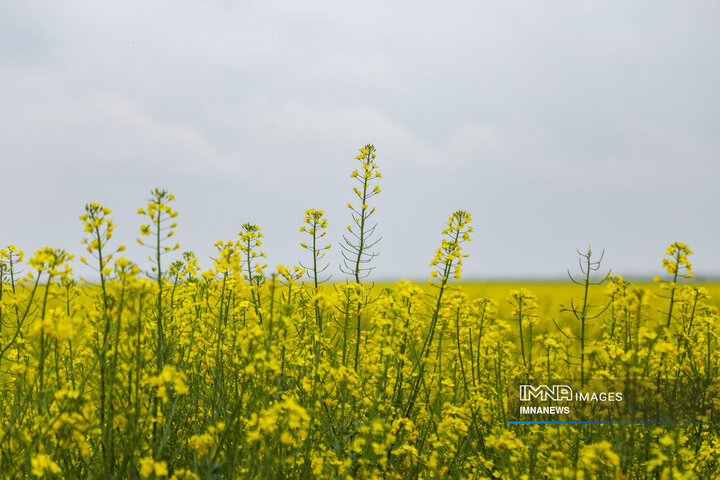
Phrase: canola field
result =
(239, 370)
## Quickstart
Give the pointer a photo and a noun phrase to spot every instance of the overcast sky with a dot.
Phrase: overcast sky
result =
(556, 124)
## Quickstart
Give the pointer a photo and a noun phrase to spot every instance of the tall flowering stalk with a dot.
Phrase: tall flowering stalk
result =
(524, 304)
(448, 261)
(99, 228)
(249, 245)
(9, 258)
(358, 250)
(47, 260)
(677, 266)
(160, 228)
(585, 311)
(315, 225)
(357, 247)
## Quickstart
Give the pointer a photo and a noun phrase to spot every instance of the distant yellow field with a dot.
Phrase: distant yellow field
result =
(552, 294)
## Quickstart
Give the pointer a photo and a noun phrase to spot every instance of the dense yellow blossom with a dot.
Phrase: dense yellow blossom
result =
(229, 370)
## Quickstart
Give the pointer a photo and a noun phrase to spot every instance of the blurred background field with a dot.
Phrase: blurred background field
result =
(553, 294)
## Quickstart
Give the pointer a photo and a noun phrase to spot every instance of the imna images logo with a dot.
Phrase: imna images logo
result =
(558, 393)
(603, 400)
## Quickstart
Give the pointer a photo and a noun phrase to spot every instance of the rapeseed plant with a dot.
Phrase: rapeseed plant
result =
(233, 372)
(358, 247)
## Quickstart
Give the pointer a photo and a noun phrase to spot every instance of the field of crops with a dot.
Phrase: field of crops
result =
(239, 370)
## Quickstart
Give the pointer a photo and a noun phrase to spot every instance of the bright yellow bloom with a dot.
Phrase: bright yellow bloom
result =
(41, 464)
